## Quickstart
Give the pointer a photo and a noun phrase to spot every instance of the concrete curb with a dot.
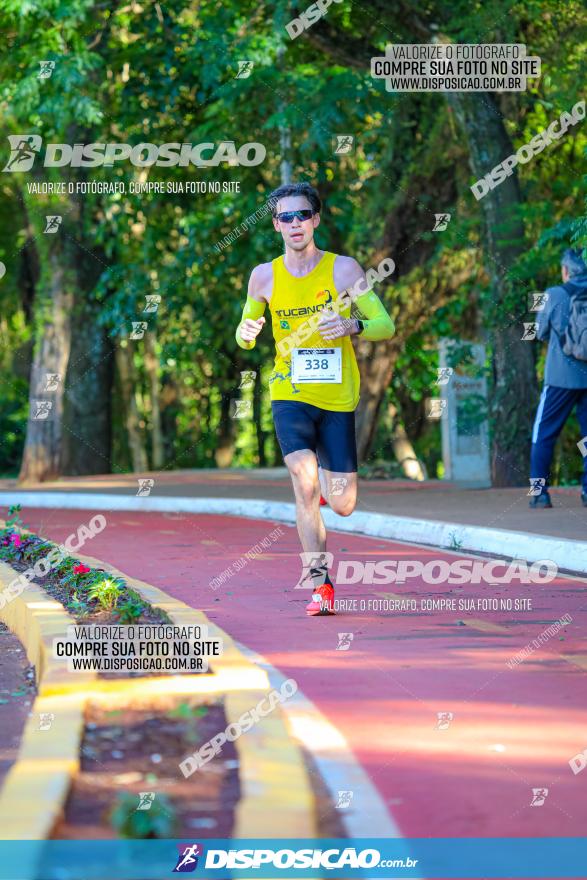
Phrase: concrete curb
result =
(275, 786)
(570, 556)
(38, 783)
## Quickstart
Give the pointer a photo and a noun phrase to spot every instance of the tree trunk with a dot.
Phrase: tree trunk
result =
(257, 415)
(224, 452)
(87, 416)
(513, 391)
(403, 450)
(375, 360)
(42, 449)
(128, 379)
(152, 370)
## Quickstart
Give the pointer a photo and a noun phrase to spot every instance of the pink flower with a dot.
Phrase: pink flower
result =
(80, 568)
(15, 540)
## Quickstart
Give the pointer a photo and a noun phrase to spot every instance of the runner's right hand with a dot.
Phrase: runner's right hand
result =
(250, 329)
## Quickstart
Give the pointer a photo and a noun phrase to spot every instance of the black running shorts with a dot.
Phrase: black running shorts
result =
(331, 435)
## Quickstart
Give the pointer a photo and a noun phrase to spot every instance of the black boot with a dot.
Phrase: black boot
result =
(542, 501)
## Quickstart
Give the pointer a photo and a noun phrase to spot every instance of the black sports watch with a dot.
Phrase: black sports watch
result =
(360, 325)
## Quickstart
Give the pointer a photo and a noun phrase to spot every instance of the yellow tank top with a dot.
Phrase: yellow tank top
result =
(293, 302)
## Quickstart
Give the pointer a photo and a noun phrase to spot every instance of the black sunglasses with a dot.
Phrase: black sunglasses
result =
(288, 216)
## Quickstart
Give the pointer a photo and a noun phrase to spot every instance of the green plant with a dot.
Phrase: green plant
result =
(130, 610)
(455, 543)
(184, 710)
(14, 520)
(106, 592)
(159, 821)
(78, 606)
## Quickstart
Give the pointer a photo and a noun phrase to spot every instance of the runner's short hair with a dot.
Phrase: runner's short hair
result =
(295, 189)
(572, 261)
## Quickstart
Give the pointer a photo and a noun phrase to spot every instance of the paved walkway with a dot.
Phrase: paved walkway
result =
(442, 501)
(512, 729)
(16, 696)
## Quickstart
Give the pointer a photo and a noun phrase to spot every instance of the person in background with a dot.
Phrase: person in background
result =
(565, 375)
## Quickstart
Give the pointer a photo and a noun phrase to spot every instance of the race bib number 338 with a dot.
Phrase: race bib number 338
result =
(322, 365)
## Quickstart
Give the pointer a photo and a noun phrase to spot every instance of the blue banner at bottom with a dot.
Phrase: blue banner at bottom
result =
(551, 857)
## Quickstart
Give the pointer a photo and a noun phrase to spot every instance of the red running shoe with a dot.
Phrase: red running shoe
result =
(323, 501)
(322, 603)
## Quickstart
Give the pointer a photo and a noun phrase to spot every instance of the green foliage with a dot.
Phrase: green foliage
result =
(186, 711)
(159, 821)
(166, 73)
(130, 610)
(106, 591)
(78, 606)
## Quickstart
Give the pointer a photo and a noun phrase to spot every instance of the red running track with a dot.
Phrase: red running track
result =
(512, 729)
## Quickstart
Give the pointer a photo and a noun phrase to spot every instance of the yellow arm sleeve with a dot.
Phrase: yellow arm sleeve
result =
(253, 309)
(379, 325)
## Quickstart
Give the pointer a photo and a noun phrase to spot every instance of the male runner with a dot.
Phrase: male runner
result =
(314, 385)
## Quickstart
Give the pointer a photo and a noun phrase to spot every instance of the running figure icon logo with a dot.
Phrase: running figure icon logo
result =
(444, 719)
(441, 222)
(539, 795)
(537, 484)
(187, 861)
(23, 151)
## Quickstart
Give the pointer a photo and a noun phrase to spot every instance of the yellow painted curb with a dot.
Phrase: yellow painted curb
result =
(38, 783)
(276, 792)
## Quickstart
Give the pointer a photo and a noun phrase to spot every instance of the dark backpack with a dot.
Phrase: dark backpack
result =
(574, 338)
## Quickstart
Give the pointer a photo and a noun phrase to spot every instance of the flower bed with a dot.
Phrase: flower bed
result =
(90, 595)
